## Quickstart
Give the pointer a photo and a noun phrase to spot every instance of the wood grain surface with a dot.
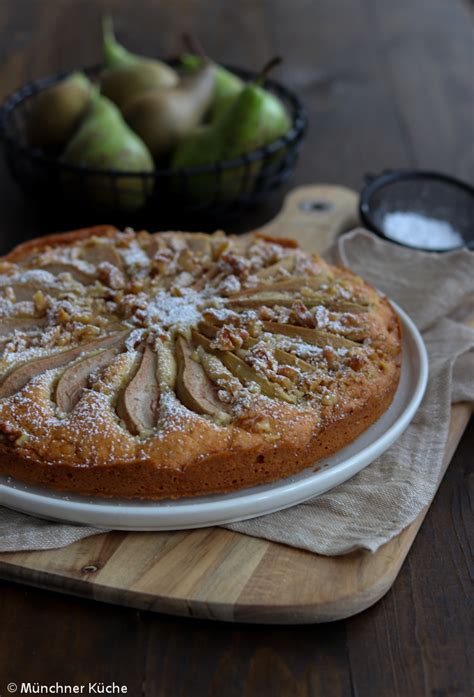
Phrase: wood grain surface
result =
(222, 575)
(218, 574)
(387, 84)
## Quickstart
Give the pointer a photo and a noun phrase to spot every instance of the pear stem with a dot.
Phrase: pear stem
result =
(115, 55)
(108, 28)
(193, 45)
(267, 68)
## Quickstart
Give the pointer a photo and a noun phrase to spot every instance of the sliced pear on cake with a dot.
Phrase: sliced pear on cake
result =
(20, 376)
(262, 299)
(101, 252)
(245, 373)
(8, 325)
(137, 404)
(272, 298)
(315, 337)
(57, 267)
(287, 264)
(75, 378)
(193, 386)
(294, 284)
(286, 358)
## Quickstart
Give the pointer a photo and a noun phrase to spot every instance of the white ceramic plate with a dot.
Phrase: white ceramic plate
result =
(218, 509)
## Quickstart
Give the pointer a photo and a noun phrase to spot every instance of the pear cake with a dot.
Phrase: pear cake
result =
(177, 364)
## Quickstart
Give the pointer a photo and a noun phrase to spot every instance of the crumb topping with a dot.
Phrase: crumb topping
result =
(146, 333)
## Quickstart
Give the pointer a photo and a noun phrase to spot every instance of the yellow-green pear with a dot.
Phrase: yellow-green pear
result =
(254, 119)
(127, 74)
(227, 85)
(121, 84)
(162, 118)
(57, 110)
(105, 142)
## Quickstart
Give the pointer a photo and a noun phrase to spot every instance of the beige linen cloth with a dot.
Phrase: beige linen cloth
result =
(437, 291)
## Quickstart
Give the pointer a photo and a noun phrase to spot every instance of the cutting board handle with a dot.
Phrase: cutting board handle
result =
(315, 215)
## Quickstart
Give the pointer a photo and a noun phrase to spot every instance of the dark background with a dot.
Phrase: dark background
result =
(388, 83)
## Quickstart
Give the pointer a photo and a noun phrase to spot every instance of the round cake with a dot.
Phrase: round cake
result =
(179, 364)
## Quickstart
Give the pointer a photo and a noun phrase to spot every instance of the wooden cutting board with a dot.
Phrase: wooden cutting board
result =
(218, 574)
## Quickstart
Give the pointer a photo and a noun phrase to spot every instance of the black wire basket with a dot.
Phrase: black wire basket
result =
(219, 190)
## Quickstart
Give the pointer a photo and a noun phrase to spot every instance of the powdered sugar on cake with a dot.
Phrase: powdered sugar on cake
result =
(175, 312)
(181, 345)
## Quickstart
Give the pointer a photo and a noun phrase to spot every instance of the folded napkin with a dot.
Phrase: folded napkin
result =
(437, 291)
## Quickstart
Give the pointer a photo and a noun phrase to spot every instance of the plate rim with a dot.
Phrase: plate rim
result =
(209, 513)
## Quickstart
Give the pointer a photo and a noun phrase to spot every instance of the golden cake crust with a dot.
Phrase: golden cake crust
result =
(180, 364)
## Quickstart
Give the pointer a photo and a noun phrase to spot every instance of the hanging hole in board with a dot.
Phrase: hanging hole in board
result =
(318, 206)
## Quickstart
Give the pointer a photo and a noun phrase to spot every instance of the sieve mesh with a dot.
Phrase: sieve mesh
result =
(427, 193)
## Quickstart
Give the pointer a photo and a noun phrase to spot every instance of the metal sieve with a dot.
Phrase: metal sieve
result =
(431, 194)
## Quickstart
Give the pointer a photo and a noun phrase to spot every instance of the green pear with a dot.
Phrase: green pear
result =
(254, 119)
(104, 141)
(162, 118)
(57, 111)
(127, 74)
(121, 84)
(227, 86)
(117, 56)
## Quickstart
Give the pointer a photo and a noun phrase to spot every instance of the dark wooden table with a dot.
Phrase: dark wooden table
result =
(387, 84)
